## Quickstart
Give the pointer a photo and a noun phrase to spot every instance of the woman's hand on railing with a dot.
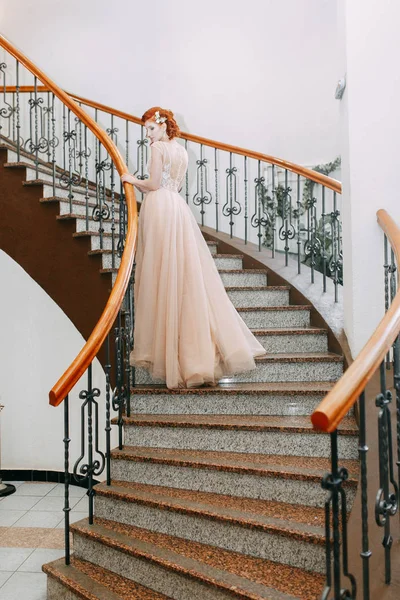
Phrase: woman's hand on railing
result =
(127, 178)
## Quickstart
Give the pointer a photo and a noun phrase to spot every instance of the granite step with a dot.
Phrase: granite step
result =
(78, 206)
(287, 435)
(187, 570)
(293, 340)
(213, 247)
(94, 224)
(229, 261)
(242, 297)
(288, 398)
(288, 479)
(277, 367)
(95, 243)
(291, 534)
(87, 581)
(267, 317)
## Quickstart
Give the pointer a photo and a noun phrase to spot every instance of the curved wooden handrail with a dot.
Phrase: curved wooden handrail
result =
(328, 182)
(344, 395)
(104, 324)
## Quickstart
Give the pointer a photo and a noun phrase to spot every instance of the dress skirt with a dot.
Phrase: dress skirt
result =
(187, 332)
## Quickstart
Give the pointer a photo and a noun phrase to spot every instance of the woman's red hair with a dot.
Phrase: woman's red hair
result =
(172, 126)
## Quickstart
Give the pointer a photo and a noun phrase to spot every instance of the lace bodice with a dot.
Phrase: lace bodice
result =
(173, 165)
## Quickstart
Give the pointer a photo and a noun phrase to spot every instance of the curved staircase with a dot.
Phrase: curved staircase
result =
(217, 491)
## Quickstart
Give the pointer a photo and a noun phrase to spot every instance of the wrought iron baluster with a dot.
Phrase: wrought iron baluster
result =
(286, 231)
(54, 144)
(202, 196)
(86, 471)
(6, 112)
(142, 157)
(333, 483)
(335, 263)
(107, 368)
(112, 132)
(298, 213)
(363, 449)
(232, 207)
(260, 218)
(118, 401)
(127, 143)
(386, 268)
(101, 211)
(87, 154)
(272, 211)
(17, 109)
(323, 251)
(396, 381)
(386, 502)
(67, 508)
(312, 246)
(216, 174)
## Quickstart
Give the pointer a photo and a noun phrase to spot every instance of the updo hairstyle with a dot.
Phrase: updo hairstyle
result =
(172, 126)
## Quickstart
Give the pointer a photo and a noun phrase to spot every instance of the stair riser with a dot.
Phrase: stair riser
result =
(270, 372)
(219, 404)
(107, 265)
(213, 248)
(95, 226)
(231, 440)
(78, 193)
(252, 298)
(289, 371)
(107, 245)
(80, 209)
(292, 491)
(276, 318)
(172, 584)
(56, 591)
(229, 263)
(293, 343)
(229, 536)
(244, 279)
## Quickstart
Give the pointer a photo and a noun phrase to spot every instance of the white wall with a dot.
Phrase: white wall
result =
(37, 343)
(259, 74)
(371, 154)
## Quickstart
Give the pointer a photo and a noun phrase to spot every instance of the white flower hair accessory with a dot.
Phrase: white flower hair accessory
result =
(159, 119)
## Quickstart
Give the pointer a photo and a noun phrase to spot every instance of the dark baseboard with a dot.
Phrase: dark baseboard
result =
(33, 475)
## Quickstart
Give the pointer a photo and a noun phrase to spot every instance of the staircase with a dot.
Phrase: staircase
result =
(217, 491)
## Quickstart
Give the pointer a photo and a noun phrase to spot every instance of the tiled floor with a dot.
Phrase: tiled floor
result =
(31, 534)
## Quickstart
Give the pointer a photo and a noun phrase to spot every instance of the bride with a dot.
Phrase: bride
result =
(187, 332)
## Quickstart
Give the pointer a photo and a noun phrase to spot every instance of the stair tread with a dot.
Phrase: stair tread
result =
(304, 523)
(67, 216)
(255, 288)
(91, 204)
(270, 465)
(286, 307)
(244, 576)
(293, 424)
(262, 271)
(299, 357)
(92, 582)
(279, 387)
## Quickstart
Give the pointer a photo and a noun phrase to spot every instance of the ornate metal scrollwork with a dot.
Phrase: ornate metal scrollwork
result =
(232, 207)
(262, 216)
(202, 196)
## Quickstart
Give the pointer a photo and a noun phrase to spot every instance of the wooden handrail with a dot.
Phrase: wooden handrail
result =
(104, 324)
(344, 395)
(328, 182)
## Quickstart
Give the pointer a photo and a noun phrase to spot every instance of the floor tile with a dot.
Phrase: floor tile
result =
(12, 558)
(4, 575)
(26, 586)
(9, 517)
(54, 539)
(39, 557)
(24, 537)
(39, 519)
(73, 517)
(83, 505)
(15, 502)
(53, 504)
(74, 491)
(34, 489)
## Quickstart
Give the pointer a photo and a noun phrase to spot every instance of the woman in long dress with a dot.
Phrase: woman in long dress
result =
(187, 331)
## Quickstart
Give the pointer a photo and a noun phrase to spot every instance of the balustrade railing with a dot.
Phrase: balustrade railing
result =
(379, 361)
(76, 159)
(283, 208)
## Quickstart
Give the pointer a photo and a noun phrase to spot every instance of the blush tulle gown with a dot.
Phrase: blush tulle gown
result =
(187, 331)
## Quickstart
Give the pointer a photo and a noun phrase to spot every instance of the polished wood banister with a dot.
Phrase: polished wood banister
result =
(104, 324)
(328, 182)
(344, 395)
